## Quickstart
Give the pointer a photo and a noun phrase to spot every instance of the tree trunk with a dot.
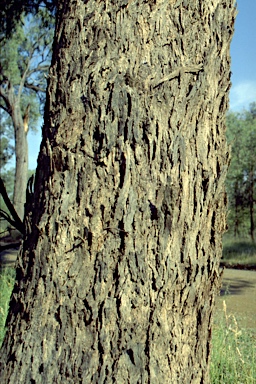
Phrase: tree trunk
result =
(21, 168)
(117, 278)
(238, 203)
(21, 150)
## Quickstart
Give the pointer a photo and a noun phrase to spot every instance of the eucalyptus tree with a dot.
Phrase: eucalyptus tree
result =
(235, 176)
(250, 126)
(24, 66)
(6, 147)
(11, 12)
(241, 177)
(119, 270)
(6, 153)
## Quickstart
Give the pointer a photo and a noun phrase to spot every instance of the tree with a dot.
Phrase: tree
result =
(251, 161)
(12, 11)
(241, 177)
(6, 149)
(24, 65)
(120, 265)
(235, 176)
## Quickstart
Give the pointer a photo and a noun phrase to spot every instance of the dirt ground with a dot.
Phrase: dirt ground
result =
(8, 257)
(238, 291)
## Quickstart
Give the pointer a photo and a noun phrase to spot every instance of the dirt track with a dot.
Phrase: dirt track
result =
(8, 257)
(238, 291)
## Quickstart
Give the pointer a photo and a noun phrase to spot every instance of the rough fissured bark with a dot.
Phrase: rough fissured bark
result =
(117, 278)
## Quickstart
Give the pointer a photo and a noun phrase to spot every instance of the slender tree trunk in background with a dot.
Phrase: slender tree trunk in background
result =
(237, 210)
(117, 279)
(21, 167)
(251, 202)
(21, 153)
(237, 221)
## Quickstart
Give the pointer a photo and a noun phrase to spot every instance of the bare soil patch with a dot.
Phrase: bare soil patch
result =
(239, 292)
(8, 257)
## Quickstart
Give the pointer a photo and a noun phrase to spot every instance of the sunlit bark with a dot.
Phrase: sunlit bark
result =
(117, 279)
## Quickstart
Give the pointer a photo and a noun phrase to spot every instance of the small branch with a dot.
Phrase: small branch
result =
(4, 108)
(23, 79)
(3, 93)
(34, 87)
(6, 217)
(6, 93)
(43, 68)
(16, 222)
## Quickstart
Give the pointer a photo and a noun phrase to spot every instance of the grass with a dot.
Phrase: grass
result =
(239, 251)
(233, 359)
(7, 277)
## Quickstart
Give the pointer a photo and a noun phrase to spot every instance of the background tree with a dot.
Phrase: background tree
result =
(120, 265)
(11, 12)
(6, 148)
(6, 153)
(24, 65)
(242, 174)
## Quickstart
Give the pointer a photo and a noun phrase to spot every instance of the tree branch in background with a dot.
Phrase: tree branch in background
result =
(34, 87)
(15, 221)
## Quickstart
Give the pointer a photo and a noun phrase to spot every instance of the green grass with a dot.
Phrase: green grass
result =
(241, 251)
(233, 359)
(7, 277)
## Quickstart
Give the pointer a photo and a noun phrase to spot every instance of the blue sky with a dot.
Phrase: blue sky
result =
(243, 67)
(243, 56)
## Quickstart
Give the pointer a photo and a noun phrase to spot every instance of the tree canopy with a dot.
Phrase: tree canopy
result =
(23, 78)
(12, 12)
(241, 178)
(25, 62)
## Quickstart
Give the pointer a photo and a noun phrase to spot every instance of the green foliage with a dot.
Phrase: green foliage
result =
(6, 145)
(239, 251)
(25, 61)
(6, 150)
(11, 12)
(10, 56)
(241, 178)
(8, 179)
(7, 278)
